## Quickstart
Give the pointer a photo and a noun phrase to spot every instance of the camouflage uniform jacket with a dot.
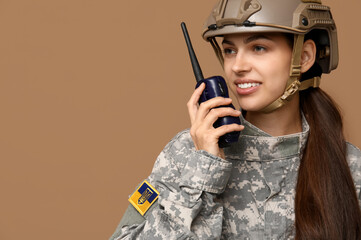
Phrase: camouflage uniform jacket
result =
(250, 195)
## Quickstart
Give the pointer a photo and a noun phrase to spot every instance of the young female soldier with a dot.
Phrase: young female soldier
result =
(291, 175)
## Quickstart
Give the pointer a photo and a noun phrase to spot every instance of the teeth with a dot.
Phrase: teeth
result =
(248, 85)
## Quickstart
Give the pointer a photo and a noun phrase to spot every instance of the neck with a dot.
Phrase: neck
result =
(283, 121)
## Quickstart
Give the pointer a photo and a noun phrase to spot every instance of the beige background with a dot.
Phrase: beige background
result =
(92, 90)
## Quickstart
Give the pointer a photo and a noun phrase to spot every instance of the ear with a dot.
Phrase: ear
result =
(308, 56)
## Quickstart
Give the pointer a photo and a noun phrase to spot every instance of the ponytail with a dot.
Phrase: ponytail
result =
(326, 205)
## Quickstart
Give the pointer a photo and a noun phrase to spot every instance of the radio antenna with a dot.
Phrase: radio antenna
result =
(195, 65)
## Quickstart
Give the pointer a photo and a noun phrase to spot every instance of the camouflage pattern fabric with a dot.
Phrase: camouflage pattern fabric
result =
(250, 195)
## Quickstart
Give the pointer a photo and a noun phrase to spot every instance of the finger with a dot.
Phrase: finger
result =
(216, 113)
(234, 127)
(193, 101)
(206, 106)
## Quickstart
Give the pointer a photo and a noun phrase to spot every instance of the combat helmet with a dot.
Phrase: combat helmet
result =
(298, 17)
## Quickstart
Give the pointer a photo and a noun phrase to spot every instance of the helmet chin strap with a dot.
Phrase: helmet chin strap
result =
(293, 84)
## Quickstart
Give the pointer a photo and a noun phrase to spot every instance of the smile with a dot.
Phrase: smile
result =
(247, 85)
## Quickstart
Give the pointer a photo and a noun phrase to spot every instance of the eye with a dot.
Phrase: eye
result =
(229, 51)
(259, 48)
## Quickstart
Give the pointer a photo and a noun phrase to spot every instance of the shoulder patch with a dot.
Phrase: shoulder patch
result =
(144, 197)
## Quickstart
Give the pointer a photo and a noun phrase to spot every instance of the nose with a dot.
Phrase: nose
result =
(241, 63)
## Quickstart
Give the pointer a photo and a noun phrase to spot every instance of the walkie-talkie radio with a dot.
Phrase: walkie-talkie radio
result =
(215, 87)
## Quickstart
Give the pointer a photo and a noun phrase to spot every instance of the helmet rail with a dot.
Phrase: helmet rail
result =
(298, 17)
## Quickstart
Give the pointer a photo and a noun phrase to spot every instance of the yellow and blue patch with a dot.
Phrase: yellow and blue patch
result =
(144, 197)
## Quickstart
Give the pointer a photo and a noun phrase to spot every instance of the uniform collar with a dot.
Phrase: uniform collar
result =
(256, 145)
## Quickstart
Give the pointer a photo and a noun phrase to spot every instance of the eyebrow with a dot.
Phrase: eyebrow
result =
(249, 39)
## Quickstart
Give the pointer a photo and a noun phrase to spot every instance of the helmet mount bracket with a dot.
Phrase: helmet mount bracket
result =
(298, 17)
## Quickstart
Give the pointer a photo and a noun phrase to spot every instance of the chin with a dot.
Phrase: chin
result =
(250, 109)
(254, 104)
(250, 106)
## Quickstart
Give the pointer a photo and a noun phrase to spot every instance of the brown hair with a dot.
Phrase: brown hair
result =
(326, 205)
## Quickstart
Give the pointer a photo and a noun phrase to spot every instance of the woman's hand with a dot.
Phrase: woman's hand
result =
(204, 135)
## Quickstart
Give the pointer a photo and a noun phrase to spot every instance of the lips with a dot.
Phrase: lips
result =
(245, 87)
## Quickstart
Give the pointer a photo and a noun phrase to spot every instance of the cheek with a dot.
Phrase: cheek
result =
(227, 69)
(279, 72)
